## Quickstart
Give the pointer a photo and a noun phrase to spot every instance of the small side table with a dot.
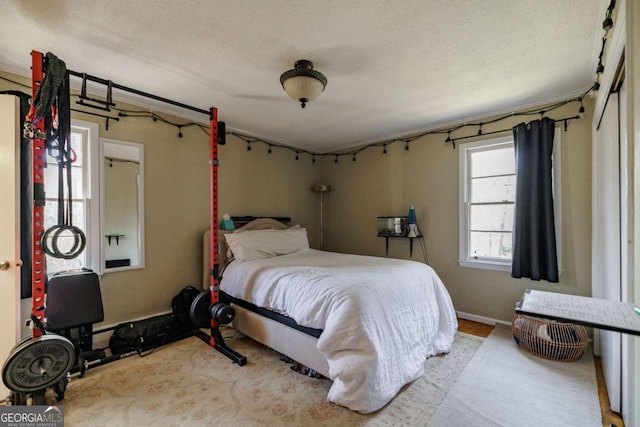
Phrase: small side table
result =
(386, 239)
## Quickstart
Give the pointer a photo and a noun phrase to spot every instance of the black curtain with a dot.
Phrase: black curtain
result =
(534, 235)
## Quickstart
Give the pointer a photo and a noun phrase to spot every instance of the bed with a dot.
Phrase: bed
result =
(366, 323)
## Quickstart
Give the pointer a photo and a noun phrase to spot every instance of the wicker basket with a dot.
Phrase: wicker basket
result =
(551, 340)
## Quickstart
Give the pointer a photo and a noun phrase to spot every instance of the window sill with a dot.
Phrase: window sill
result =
(485, 265)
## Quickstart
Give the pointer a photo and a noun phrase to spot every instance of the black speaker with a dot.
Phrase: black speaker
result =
(222, 133)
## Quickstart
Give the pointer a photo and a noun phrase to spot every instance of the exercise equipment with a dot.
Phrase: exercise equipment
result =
(36, 131)
(215, 339)
(43, 360)
(38, 363)
(52, 102)
(216, 137)
(47, 360)
(202, 311)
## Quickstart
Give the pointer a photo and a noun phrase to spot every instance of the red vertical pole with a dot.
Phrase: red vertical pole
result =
(37, 162)
(216, 340)
(213, 225)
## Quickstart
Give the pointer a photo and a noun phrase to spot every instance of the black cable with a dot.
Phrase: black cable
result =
(424, 250)
(15, 82)
(422, 245)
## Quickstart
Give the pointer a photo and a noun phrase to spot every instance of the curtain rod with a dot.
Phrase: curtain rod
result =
(565, 120)
(137, 92)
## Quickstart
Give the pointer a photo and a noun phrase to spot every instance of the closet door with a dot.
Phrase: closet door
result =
(626, 247)
(9, 227)
(606, 274)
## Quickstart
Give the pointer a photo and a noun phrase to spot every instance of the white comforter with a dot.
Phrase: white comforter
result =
(381, 317)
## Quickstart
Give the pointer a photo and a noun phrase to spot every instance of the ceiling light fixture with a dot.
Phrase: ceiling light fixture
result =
(303, 83)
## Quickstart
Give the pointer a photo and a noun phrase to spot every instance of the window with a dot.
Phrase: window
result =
(487, 195)
(85, 212)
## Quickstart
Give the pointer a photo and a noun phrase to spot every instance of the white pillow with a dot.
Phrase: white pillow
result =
(258, 244)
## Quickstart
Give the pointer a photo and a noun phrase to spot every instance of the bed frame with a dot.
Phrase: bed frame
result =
(282, 338)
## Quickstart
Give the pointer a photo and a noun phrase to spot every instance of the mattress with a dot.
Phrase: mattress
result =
(381, 318)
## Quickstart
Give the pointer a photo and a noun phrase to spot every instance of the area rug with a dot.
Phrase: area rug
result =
(504, 386)
(187, 383)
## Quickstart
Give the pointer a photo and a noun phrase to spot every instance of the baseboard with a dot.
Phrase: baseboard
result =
(481, 319)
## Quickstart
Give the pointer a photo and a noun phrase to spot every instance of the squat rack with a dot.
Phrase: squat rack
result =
(215, 339)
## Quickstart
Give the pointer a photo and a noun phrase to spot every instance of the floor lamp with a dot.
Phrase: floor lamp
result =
(321, 188)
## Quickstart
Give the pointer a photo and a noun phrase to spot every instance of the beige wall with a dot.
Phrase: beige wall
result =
(257, 183)
(177, 207)
(177, 204)
(426, 176)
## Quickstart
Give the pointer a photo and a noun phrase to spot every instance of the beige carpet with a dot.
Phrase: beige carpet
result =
(189, 384)
(504, 386)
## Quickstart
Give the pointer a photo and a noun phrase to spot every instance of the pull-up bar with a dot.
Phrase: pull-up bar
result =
(109, 83)
(38, 66)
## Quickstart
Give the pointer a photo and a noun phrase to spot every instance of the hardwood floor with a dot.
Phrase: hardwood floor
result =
(609, 418)
(474, 328)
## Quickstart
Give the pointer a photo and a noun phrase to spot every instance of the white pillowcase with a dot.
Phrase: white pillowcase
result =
(258, 244)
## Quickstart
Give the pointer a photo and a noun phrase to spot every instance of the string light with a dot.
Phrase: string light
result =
(313, 159)
(353, 158)
(269, 152)
(591, 91)
(155, 117)
(607, 24)
(480, 125)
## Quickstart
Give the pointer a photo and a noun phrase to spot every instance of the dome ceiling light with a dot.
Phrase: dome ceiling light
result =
(303, 83)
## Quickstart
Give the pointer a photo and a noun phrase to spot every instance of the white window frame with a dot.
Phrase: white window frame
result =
(465, 258)
(91, 193)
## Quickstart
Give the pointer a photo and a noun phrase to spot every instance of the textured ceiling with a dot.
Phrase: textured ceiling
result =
(394, 67)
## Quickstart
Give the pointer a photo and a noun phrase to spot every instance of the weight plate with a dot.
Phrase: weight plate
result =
(199, 310)
(223, 313)
(38, 363)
